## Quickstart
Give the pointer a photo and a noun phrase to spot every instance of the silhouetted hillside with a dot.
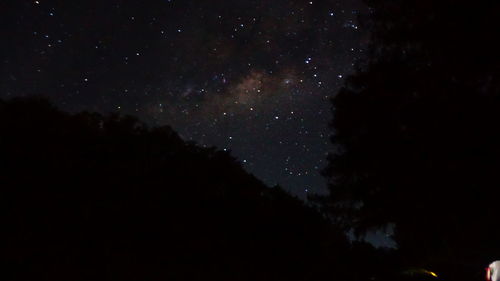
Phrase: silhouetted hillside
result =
(88, 197)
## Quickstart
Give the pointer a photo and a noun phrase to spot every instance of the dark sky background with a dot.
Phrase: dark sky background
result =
(253, 77)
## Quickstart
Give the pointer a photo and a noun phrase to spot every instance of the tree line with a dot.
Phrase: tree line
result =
(416, 133)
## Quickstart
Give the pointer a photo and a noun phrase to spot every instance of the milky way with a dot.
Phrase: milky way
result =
(253, 77)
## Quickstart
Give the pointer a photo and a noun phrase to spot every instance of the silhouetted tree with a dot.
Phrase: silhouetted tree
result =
(89, 197)
(417, 131)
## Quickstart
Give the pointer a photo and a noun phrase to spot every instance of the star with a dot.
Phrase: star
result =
(251, 79)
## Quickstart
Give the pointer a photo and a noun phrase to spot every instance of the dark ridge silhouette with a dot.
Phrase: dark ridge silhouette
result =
(89, 197)
(417, 134)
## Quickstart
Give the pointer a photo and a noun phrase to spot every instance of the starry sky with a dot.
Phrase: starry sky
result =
(250, 76)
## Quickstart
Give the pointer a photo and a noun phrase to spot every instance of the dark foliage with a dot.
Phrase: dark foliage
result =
(88, 197)
(417, 131)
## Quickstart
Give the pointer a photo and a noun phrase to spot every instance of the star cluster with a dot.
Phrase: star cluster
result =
(253, 76)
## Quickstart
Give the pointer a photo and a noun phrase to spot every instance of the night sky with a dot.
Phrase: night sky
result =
(253, 77)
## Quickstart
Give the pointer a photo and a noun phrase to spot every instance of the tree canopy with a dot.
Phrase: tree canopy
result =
(416, 131)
